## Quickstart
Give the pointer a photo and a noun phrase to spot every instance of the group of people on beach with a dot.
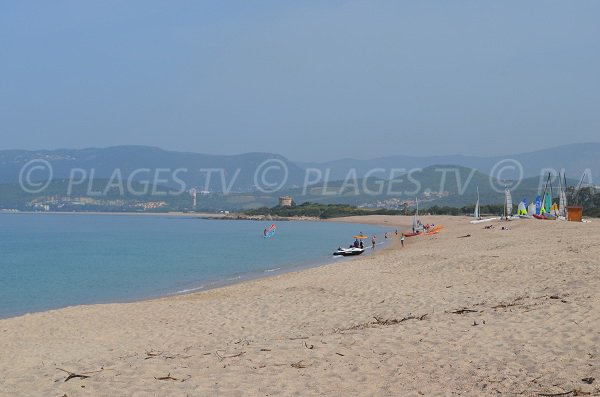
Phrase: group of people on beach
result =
(359, 244)
(420, 226)
(428, 226)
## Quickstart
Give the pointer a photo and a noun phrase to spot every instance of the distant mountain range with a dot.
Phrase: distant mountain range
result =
(258, 179)
(442, 185)
(156, 166)
(573, 158)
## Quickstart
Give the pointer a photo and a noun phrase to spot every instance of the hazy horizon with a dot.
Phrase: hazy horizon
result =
(308, 80)
(297, 160)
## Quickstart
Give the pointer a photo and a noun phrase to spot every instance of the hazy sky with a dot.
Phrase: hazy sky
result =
(311, 80)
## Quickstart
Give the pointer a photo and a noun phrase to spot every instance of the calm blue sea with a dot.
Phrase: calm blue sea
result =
(55, 260)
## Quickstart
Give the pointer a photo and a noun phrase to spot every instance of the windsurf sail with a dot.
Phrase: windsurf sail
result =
(270, 231)
(538, 205)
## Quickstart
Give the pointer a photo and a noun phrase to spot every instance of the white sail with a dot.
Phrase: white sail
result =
(476, 214)
(562, 206)
(508, 203)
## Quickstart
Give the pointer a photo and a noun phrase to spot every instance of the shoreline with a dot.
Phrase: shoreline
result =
(173, 214)
(446, 315)
(234, 279)
(234, 216)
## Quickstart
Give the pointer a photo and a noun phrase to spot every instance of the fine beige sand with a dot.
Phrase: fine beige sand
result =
(502, 312)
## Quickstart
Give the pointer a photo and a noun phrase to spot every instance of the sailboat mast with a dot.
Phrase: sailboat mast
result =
(415, 216)
(417, 212)
(477, 213)
(545, 190)
(564, 194)
(505, 203)
(508, 202)
(578, 189)
(559, 183)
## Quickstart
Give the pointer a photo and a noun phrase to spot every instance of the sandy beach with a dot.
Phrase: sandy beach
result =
(500, 312)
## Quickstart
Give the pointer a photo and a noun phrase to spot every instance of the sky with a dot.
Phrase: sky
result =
(311, 80)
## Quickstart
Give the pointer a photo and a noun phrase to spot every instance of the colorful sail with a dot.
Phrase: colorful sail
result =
(548, 202)
(270, 231)
(538, 205)
(522, 207)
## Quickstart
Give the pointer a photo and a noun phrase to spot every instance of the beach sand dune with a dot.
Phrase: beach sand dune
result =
(502, 312)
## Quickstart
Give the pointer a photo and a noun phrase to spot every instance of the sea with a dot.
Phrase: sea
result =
(50, 261)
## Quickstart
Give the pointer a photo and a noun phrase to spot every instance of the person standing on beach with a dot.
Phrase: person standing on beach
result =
(373, 241)
(402, 240)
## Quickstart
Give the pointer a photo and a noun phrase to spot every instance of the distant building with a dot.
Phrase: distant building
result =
(285, 201)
